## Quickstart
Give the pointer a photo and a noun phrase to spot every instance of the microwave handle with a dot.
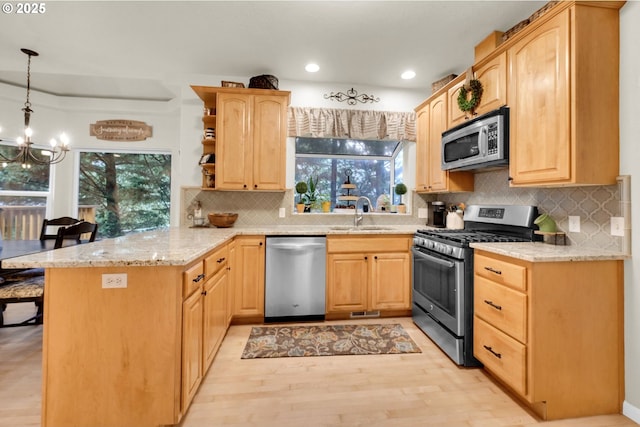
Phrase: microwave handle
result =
(484, 141)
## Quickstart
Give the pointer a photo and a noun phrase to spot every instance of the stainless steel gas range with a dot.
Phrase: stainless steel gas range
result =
(443, 273)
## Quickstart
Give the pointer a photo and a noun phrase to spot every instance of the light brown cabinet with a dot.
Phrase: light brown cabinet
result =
(250, 138)
(492, 74)
(563, 95)
(205, 318)
(247, 278)
(432, 120)
(368, 274)
(552, 332)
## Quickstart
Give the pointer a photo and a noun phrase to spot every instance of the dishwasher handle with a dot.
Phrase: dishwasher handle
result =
(298, 247)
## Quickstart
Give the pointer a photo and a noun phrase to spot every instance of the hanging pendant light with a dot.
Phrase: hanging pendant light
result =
(26, 154)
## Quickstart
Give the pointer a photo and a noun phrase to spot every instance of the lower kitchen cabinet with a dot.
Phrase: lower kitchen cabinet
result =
(247, 278)
(204, 318)
(552, 332)
(368, 274)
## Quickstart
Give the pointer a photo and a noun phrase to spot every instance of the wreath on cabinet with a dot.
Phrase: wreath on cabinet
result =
(476, 93)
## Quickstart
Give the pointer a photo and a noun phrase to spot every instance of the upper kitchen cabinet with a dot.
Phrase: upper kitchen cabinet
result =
(492, 73)
(250, 138)
(563, 95)
(432, 120)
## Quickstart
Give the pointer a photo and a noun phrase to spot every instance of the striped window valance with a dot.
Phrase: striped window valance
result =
(354, 124)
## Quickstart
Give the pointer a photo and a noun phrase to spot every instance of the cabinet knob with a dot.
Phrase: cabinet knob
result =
(375, 257)
(255, 186)
(244, 186)
(510, 178)
(203, 293)
(366, 257)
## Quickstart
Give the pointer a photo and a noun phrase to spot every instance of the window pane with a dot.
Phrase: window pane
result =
(21, 217)
(131, 192)
(13, 177)
(345, 147)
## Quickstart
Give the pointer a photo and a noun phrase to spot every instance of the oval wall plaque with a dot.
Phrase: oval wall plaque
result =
(120, 130)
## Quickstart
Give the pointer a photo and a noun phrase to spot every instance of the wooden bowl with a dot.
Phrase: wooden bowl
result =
(222, 220)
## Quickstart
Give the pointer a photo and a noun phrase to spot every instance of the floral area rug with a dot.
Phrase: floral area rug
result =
(325, 340)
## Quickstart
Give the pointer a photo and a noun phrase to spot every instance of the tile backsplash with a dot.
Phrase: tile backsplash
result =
(594, 205)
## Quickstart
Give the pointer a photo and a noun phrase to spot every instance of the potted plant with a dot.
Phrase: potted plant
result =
(325, 202)
(312, 194)
(301, 189)
(400, 190)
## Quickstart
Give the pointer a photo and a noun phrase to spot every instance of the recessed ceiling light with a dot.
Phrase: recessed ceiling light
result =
(312, 68)
(407, 75)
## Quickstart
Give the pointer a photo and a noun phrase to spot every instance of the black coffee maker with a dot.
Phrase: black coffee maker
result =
(437, 215)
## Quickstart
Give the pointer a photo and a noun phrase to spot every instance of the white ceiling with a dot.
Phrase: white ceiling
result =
(139, 49)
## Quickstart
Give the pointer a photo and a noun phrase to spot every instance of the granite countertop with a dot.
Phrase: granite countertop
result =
(544, 252)
(176, 246)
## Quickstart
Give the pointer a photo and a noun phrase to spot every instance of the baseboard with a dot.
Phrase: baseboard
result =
(631, 412)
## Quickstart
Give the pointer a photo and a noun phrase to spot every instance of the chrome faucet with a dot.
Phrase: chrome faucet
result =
(357, 219)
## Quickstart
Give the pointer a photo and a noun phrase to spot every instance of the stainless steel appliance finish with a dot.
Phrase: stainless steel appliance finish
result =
(443, 273)
(295, 278)
(479, 143)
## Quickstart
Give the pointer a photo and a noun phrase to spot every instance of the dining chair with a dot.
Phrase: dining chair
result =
(28, 285)
(63, 221)
(74, 232)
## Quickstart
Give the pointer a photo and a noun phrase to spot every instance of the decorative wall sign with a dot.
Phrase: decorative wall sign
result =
(120, 130)
(351, 97)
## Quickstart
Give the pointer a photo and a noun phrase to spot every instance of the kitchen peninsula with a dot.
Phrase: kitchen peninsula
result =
(131, 324)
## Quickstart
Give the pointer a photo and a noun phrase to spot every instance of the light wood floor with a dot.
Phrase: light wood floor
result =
(410, 390)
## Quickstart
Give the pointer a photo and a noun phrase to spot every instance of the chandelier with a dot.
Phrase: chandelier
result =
(26, 154)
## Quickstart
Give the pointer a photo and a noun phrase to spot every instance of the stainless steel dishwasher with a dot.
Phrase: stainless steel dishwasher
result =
(295, 278)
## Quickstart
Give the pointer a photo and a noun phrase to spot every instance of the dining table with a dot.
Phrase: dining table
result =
(15, 248)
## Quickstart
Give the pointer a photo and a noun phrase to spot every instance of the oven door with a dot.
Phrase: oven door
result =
(438, 288)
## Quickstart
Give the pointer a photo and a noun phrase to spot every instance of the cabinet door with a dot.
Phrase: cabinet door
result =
(347, 281)
(437, 124)
(539, 94)
(456, 116)
(422, 149)
(390, 282)
(231, 281)
(215, 316)
(234, 142)
(249, 276)
(269, 124)
(493, 76)
(191, 346)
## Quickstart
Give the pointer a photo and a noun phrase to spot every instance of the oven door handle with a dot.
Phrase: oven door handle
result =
(443, 262)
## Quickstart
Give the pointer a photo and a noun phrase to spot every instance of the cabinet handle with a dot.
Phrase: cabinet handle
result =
(510, 178)
(490, 350)
(493, 270)
(203, 293)
(198, 278)
(496, 306)
(220, 260)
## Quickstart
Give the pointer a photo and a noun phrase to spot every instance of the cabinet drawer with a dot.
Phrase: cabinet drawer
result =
(192, 279)
(368, 244)
(501, 272)
(216, 261)
(503, 307)
(500, 354)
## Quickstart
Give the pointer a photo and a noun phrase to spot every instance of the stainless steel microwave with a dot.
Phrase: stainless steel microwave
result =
(479, 143)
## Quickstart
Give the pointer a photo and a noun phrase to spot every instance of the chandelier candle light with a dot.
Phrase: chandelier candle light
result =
(26, 156)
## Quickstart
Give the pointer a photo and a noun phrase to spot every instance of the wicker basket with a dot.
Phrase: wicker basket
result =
(264, 82)
(437, 85)
(222, 220)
